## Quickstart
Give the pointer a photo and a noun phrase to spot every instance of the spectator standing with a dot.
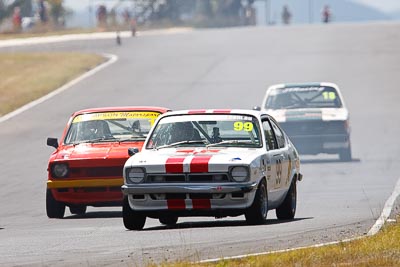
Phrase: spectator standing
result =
(326, 14)
(16, 19)
(126, 15)
(102, 16)
(286, 15)
(43, 12)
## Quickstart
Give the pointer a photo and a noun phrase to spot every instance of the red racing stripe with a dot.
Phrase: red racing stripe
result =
(174, 165)
(196, 111)
(185, 151)
(176, 204)
(201, 204)
(199, 164)
(222, 111)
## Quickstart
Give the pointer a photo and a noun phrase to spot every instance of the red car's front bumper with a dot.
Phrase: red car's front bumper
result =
(93, 192)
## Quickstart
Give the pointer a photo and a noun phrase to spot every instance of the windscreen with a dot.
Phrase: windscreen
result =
(110, 126)
(303, 97)
(206, 130)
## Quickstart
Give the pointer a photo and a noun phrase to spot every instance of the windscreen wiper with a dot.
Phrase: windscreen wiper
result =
(230, 142)
(181, 143)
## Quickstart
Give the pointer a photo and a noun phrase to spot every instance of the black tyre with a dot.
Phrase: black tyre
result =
(345, 154)
(54, 208)
(287, 209)
(133, 220)
(168, 220)
(77, 209)
(257, 213)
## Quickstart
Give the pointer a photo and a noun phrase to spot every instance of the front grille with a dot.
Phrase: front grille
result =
(112, 171)
(104, 171)
(208, 178)
(166, 178)
(313, 127)
(188, 178)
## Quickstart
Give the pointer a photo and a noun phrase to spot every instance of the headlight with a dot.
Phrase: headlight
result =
(59, 170)
(135, 175)
(239, 173)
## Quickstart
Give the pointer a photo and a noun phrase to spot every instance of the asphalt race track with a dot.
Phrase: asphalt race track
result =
(220, 68)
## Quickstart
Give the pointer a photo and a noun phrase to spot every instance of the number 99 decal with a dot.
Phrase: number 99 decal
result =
(243, 126)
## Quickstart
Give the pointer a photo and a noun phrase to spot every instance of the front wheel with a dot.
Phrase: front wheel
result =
(257, 213)
(133, 220)
(287, 209)
(54, 208)
(77, 209)
(168, 220)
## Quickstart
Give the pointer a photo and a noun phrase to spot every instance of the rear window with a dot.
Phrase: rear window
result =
(303, 97)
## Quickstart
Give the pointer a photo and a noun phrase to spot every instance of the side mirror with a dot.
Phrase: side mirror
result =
(52, 142)
(257, 108)
(132, 151)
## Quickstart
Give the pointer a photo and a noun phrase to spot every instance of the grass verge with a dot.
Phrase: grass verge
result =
(382, 249)
(25, 77)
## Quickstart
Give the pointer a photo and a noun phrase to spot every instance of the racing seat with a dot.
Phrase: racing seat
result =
(104, 129)
(196, 135)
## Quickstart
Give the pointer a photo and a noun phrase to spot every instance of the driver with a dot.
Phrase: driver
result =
(93, 130)
(183, 131)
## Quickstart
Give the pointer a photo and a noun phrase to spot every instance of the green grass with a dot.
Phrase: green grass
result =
(382, 249)
(28, 76)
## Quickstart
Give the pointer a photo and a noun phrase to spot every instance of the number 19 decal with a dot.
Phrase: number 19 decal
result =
(329, 95)
(243, 126)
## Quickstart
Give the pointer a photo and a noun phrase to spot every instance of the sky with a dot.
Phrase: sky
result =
(383, 5)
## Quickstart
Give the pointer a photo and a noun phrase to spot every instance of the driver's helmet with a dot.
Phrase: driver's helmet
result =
(93, 129)
(181, 131)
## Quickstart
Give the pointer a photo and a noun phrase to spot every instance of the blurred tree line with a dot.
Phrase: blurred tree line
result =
(206, 13)
(202, 13)
(54, 9)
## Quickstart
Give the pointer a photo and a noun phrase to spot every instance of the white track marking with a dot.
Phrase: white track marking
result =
(86, 36)
(386, 210)
(111, 60)
(374, 229)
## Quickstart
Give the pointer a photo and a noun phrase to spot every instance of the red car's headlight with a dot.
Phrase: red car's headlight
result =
(60, 170)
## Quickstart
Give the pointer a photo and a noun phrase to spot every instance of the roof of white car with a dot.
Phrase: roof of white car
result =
(215, 111)
(288, 85)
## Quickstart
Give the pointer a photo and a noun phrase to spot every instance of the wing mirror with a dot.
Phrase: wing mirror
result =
(52, 142)
(132, 151)
(257, 108)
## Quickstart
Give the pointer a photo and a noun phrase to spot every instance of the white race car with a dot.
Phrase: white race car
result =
(211, 163)
(313, 115)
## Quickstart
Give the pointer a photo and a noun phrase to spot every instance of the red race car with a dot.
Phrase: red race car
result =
(86, 168)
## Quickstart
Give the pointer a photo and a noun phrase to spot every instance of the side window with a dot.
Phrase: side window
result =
(280, 138)
(269, 136)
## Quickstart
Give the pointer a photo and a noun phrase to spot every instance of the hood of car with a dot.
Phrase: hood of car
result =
(176, 160)
(322, 114)
(96, 151)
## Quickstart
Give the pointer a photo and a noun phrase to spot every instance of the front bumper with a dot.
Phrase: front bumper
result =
(62, 183)
(190, 199)
(93, 192)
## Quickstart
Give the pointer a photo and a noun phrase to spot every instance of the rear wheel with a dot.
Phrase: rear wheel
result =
(77, 209)
(257, 213)
(54, 208)
(133, 220)
(168, 220)
(345, 154)
(287, 209)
